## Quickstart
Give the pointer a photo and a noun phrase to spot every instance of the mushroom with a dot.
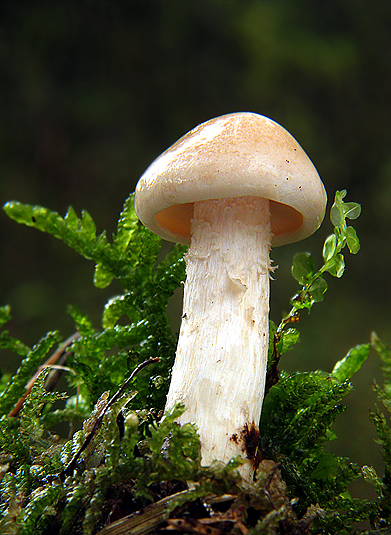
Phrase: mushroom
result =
(230, 188)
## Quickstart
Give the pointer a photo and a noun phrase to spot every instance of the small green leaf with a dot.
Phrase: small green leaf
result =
(336, 266)
(102, 276)
(302, 267)
(88, 224)
(71, 218)
(317, 289)
(13, 344)
(340, 210)
(329, 247)
(351, 210)
(335, 216)
(83, 323)
(352, 240)
(289, 338)
(36, 216)
(117, 307)
(127, 224)
(348, 366)
(327, 467)
(341, 194)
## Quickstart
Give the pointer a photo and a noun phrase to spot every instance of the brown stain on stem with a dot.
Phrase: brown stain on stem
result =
(248, 439)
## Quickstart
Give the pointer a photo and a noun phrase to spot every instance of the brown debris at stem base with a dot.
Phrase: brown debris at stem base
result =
(265, 507)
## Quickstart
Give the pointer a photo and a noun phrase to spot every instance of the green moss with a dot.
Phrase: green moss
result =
(124, 457)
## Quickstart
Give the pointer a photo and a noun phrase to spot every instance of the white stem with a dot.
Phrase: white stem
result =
(220, 366)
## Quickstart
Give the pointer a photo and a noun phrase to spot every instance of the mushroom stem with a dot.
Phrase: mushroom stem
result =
(220, 366)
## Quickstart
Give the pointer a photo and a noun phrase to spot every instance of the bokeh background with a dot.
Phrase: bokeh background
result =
(92, 91)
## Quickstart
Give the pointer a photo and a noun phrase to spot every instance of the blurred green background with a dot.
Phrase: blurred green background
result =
(92, 91)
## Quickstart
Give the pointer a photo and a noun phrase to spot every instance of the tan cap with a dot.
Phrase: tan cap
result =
(235, 155)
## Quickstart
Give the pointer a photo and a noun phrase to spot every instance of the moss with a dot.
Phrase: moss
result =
(126, 469)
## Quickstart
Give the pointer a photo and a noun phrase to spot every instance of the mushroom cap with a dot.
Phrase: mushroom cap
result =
(235, 155)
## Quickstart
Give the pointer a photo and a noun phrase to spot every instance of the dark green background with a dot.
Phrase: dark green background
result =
(92, 91)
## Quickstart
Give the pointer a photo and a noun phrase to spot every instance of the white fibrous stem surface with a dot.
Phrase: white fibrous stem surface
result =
(220, 366)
